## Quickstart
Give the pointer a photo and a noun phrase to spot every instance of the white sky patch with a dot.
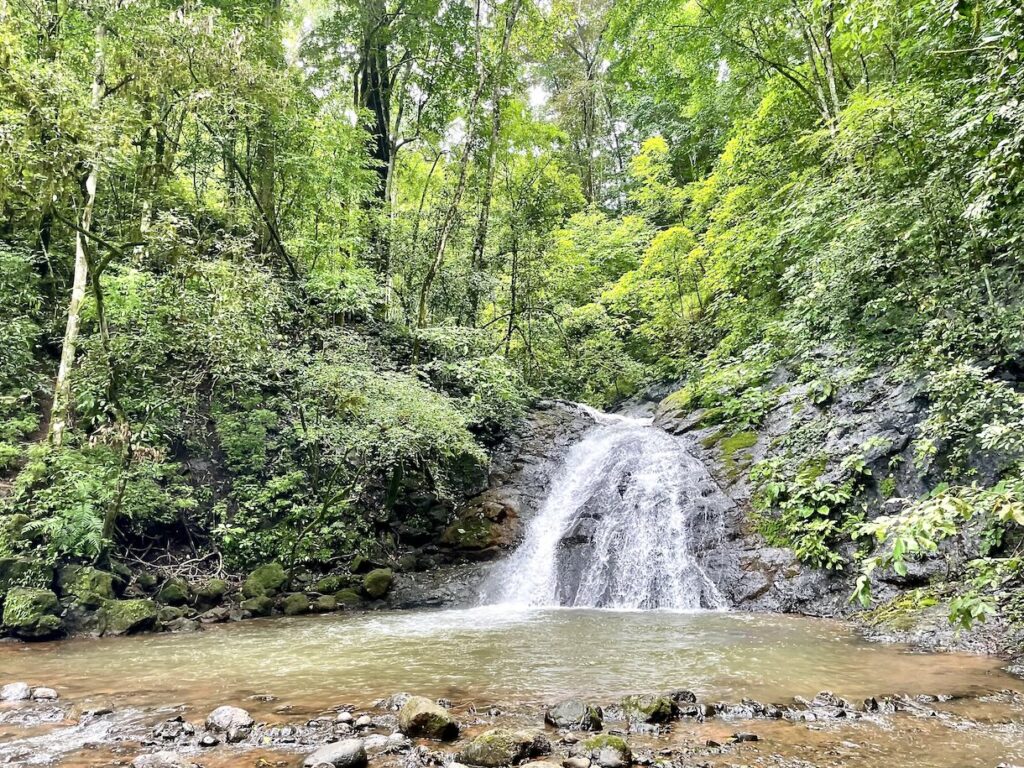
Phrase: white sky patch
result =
(723, 70)
(538, 96)
(455, 133)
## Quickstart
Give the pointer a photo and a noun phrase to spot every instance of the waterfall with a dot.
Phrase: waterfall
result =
(623, 526)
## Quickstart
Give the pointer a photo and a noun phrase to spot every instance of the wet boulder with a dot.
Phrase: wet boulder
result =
(608, 751)
(348, 753)
(125, 617)
(212, 593)
(265, 581)
(15, 692)
(419, 716)
(324, 604)
(500, 747)
(175, 591)
(377, 582)
(348, 598)
(85, 585)
(234, 722)
(649, 709)
(42, 693)
(575, 714)
(31, 613)
(295, 604)
(258, 606)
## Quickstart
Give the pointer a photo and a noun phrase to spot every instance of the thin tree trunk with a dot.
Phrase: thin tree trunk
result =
(60, 413)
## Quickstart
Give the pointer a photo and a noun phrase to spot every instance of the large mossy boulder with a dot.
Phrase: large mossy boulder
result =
(649, 709)
(265, 581)
(575, 714)
(86, 586)
(419, 716)
(125, 617)
(377, 582)
(348, 598)
(175, 591)
(258, 606)
(295, 604)
(500, 747)
(31, 613)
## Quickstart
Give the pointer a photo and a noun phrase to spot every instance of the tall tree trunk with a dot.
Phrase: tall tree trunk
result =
(483, 219)
(451, 215)
(60, 412)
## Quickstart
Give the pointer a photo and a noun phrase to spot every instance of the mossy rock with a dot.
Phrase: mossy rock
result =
(735, 453)
(419, 716)
(125, 617)
(175, 591)
(649, 709)
(31, 613)
(608, 751)
(258, 606)
(325, 604)
(348, 598)
(472, 532)
(267, 580)
(24, 572)
(408, 563)
(147, 581)
(500, 747)
(575, 714)
(360, 564)
(86, 585)
(377, 582)
(212, 593)
(328, 585)
(169, 613)
(295, 604)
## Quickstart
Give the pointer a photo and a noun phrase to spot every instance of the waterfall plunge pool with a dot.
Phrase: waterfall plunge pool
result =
(500, 655)
(287, 670)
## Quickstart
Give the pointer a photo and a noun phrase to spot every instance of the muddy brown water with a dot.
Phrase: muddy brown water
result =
(520, 660)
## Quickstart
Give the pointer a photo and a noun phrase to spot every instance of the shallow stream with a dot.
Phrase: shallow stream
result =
(288, 669)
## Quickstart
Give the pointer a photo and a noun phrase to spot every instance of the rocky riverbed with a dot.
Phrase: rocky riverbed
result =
(676, 728)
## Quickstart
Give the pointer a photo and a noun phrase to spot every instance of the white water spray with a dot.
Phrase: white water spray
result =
(628, 514)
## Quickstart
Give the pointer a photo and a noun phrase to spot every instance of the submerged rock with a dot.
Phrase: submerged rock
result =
(348, 753)
(575, 714)
(419, 716)
(31, 613)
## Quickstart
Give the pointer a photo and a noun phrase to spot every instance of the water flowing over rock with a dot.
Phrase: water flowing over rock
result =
(629, 512)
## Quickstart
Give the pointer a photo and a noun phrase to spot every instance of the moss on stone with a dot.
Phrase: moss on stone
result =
(348, 598)
(174, 592)
(648, 709)
(734, 452)
(328, 585)
(123, 617)
(258, 606)
(24, 572)
(295, 604)
(31, 613)
(903, 612)
(603, 741)
(86, 585)
(499, 747)
(419, 716)
(212, 593)
(266, 580)
(325, 604)
(377, 582)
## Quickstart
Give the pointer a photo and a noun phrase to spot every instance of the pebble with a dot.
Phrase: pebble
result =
(364, 721)
(344, 717)
(44, 694)
(576, 762)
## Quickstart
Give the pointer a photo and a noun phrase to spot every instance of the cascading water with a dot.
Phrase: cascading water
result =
(629, 512)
